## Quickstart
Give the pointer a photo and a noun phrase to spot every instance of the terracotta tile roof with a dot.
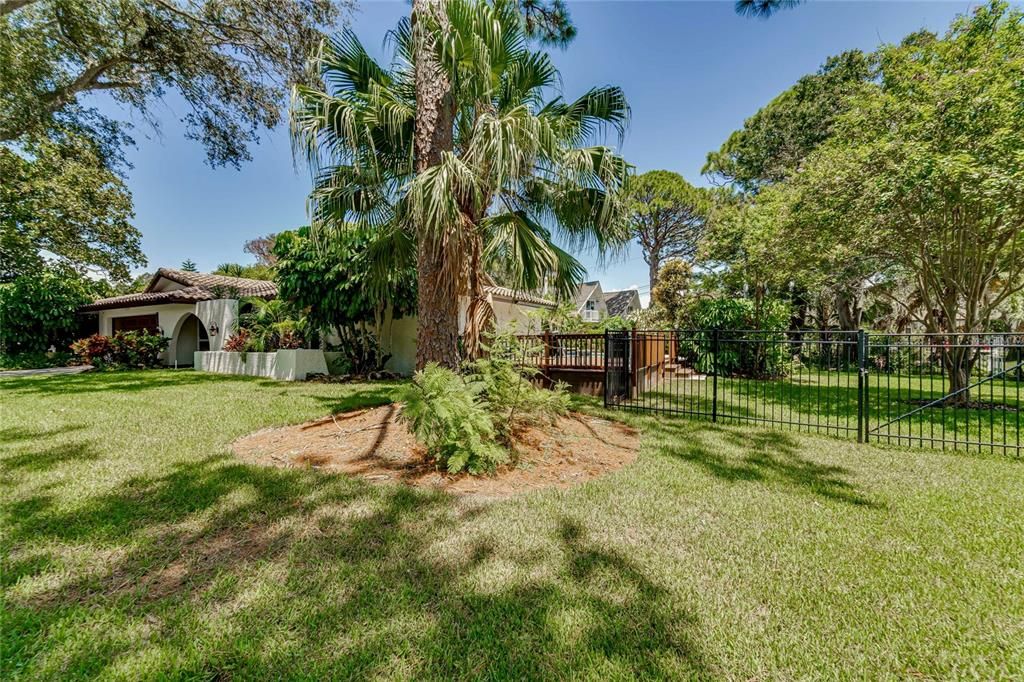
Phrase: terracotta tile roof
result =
(245, 287)
(186, 295)
(518, 297)
(199, 286)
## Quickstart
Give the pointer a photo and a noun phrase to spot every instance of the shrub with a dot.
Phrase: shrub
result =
(94, 350)
(449, 416)
(136, 349)
(468, 421)
(39, 310)
(513, 401)
(760, 353)
(237, 342)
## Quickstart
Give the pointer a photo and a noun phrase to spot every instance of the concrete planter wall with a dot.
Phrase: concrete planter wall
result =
(283, 365)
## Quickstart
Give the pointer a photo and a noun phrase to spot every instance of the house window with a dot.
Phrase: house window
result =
(134, 323)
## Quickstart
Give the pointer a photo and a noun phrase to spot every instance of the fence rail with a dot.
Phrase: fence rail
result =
(958, 391)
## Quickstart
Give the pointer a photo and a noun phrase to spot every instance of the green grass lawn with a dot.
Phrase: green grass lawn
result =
(136, 547)
(826, 402)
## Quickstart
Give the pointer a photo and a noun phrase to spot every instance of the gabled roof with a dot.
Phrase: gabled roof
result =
(197, 286)
(243, 285)
(618, 302)
(584, 293)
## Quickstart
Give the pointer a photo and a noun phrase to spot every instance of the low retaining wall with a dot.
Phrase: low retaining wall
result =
(283, 365)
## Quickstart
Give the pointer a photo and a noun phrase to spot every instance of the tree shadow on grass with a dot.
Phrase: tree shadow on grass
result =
(758, 455)
(365, 583)
(46, 458)
(100, 382)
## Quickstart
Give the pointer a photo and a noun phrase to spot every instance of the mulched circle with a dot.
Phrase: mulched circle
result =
(376, 445)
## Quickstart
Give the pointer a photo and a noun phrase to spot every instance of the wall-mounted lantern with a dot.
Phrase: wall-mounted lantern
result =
(214, 329)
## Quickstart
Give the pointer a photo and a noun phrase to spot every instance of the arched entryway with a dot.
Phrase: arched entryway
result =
(189, 336)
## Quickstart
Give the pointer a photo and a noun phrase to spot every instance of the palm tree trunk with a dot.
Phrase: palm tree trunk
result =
(437, 293)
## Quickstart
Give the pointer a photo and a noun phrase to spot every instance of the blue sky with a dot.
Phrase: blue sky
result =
(691, 71)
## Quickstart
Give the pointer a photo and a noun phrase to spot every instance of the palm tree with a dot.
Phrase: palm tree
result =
(273, 324)
(522, 169)
(764, 8)
(436, 292)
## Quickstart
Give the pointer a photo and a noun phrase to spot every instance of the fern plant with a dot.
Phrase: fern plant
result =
(469, 421)
(513, 400)
(448, 415)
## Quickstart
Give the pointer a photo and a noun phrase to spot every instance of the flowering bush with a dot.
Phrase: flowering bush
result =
(238, 342)
(93, 350)
(136, 349)
(139, 348)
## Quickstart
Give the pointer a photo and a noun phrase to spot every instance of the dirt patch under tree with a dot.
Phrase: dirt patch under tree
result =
(375, 445)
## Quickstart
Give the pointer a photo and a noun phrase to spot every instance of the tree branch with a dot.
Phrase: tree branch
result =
(8, 6)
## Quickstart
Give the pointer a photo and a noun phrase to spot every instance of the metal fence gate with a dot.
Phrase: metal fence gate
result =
(958, 391)
(616, 367)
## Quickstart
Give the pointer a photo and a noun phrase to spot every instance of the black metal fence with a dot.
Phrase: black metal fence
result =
(958, 391)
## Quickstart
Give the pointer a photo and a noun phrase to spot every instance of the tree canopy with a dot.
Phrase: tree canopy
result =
(338, 286)
(926, 168)
(231, 61)
(58, 197)
(774, 141)
(667, 215)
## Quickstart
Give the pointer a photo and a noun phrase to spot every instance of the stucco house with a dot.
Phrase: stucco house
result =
(593, 304)
(199, 311)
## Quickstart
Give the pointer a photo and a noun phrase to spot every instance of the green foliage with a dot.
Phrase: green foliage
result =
(35, 360)
(124, 350)
(924, 171)
(758, 353)
(667, 215)
(564, 319)
(271, 325)
(763, 8)
(232, 62)
(448, 415)
(39, 310)
(58, 195)
(470, 420)
(253, 271)
(512, 400)
(523, 173)
(189, 265)
(774, 141)
(341, 289)
(669, 295)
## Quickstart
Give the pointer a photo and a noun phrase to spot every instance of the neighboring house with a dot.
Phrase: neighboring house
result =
(198, 311)
(622, 303)
(590, 303)
(195, 310)
(593, 304)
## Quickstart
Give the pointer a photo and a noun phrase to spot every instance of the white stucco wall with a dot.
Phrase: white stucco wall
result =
(284, 365)
(403, 346)
(222, 313)
(168, 318)
(523, 317)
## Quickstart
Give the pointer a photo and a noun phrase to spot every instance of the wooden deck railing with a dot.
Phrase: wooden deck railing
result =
(585, 352)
